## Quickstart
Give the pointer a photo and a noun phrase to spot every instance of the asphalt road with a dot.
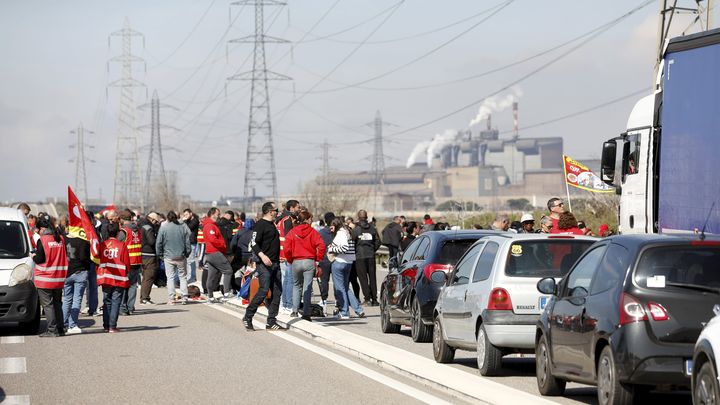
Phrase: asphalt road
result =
(187, 354)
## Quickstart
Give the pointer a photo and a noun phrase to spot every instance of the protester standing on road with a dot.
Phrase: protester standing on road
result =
(193, 223)
(78, 255)
(304, 249)
(240, 245)
(266, 247)
(112, 275)
(325, 264)
(284, 224)
(392, 235)
(216, 263)
(149, 228)
(173, 247)
(342, 251)
(133, 242)
(51, 266)
(367, 242)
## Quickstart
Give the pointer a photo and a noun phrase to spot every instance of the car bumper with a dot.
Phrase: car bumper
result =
(643, 360)
(18, 303)
(506, 329)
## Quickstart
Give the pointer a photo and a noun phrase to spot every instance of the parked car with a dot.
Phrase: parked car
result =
(491, 304)
(407, 296)
(706, 363)
(627, 316)
(18, 297)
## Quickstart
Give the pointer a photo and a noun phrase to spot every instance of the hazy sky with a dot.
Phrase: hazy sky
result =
(53, 76)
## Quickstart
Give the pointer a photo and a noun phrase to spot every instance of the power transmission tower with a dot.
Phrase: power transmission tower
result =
(79, 160)
(155, 175)
(260, 152)
(668, 10)
(127, 190)
(378, 158)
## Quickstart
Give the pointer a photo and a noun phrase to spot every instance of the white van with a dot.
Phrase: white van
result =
(18, 297)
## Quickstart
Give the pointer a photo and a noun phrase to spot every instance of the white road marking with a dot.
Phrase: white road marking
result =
(356, 367)
(16, 400)
(13, 365)
(12, 339)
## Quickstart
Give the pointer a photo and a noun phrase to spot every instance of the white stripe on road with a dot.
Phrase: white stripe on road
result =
(13, 365)
(12, 339)
(356, 367)
(16, 400)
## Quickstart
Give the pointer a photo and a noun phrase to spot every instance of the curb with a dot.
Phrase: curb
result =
(445, 379)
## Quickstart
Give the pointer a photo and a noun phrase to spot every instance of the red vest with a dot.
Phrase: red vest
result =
(200, 236)
(281, 229)
(114, 264)
(52, 273)
(133, 242)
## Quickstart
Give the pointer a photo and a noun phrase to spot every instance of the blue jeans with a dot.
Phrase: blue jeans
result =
(268, 280)
(287, 284)
(112, 298)
(92, 290)
(344, 295)
(129, 295)
(303, 273)
(72, 297)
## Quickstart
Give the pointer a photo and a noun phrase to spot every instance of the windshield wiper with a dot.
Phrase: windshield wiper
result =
(694, 287)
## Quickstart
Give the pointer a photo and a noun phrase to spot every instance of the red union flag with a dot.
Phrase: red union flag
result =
(578, 175)
(80, 225)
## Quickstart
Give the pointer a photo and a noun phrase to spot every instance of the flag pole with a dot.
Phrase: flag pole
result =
(567, 190)
(567, 187)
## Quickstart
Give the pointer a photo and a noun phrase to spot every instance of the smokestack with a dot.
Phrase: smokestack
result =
(516, 129)
(489, 122)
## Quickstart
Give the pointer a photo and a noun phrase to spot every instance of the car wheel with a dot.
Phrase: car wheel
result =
(547, 383)
(31, 327)
(611, 391)
(385, 325)
(419, 331)
(706, 390)
(441, 351)
(489, 357)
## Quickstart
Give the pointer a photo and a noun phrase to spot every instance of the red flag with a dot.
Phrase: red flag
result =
(108, 208)
(79, 224)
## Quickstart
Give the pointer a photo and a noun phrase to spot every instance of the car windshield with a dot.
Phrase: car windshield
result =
(687, 266)
(544, 258)
(452, 250)
(13, 240)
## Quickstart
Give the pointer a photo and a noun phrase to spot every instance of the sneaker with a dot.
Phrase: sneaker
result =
(113, 330)
(85, 311)
(147, 302)
(212, 301)
(323, 304)
(374, 303)
(274, 327)
(285, 310)
(306, 318)
(294, 315)
(125, 313)
(342, 317)
(75, 330)
(361, 315)
(184, 301)
(248, 325)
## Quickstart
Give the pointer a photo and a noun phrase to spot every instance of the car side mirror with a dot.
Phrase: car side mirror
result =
(607, 165)
(547, 286)
(438, 276)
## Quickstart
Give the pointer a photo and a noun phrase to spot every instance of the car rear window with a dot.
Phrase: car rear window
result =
(544, 258)
(679, 266)
(13, 240)
(451, 250)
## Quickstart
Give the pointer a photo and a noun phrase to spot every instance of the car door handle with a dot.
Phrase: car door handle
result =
(465, 297)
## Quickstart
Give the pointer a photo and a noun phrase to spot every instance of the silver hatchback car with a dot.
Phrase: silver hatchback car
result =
(490, 303)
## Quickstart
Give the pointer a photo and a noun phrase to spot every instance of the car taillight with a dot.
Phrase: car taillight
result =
(658, 312)
(499, 300)
(429, 269)
(631, 310)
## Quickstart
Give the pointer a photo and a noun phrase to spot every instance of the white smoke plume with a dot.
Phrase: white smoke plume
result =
(448, 137)
(419, 150)
(496, 104)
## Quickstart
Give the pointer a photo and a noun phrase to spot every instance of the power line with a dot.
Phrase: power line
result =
(190, 34)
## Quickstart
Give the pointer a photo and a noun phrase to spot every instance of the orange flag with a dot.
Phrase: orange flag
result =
(79, 224)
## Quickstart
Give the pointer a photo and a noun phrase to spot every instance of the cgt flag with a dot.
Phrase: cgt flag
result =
(79, 224)
(578, 175)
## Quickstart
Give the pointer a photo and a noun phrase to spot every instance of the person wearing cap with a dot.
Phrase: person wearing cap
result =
(527, 223)
(604, 231)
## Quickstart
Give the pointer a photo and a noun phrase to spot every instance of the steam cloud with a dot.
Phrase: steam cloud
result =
(432, 148)
(496, 104)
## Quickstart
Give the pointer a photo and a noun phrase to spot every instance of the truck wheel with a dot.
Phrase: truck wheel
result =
(32, 326)
(610, 391)
(706, 390)
(441, 351)
(547, 383)
(419, 331)
(489, 357)
(385, 325)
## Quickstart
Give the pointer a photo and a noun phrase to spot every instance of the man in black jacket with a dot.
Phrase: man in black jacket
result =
(193, 223)
(367, 242)
(392, 235)
(149, 227)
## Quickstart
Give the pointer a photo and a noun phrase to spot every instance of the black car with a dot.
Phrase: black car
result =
(627, 315)
(407, 295)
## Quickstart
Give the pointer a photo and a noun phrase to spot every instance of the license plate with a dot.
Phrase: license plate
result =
(542, 302)
(688, 367)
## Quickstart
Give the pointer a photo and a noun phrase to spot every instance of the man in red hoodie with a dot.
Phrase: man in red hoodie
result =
(216, 264)
(304, 249)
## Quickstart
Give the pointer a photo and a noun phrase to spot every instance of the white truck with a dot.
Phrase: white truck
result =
(666, 165)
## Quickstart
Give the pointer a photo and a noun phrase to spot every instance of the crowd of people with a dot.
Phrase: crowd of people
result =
(287, 250)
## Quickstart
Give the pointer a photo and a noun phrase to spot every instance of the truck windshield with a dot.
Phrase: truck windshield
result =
(687, 267)
(544, 258)
(13, 240)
